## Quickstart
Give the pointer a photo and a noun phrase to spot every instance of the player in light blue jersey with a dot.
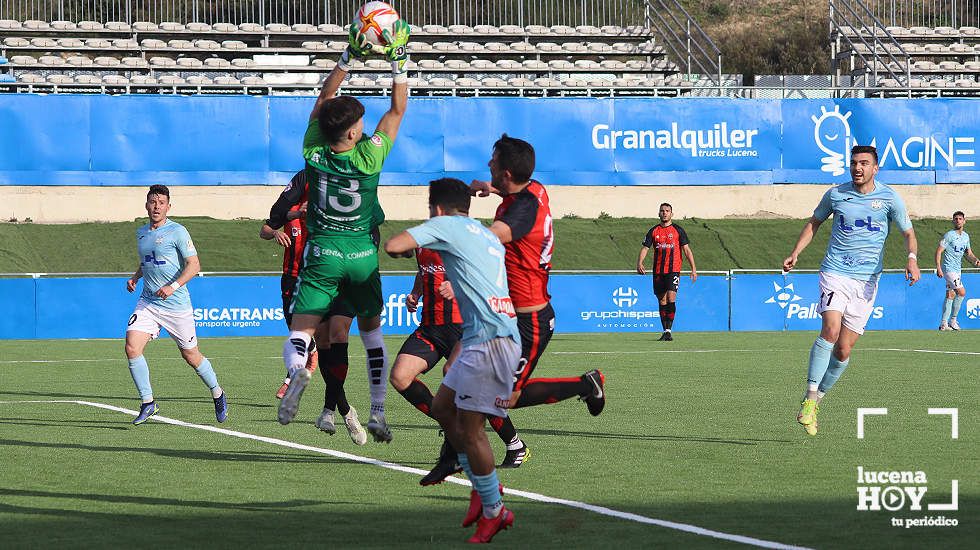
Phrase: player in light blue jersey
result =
(480, 382)
(949, 261)
(863, 210)
(167, 262)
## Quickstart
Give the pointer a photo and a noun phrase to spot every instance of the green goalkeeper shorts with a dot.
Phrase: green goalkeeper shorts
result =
(332, 266)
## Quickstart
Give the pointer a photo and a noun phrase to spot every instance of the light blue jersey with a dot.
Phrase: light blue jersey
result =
(857, 240)
(163, 252)
(954, 246)
(474, 260)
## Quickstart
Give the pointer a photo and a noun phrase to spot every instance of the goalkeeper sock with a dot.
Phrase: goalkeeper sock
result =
(819, 361)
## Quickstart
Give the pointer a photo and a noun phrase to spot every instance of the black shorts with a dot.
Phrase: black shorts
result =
(288, 285)
(536, 330)
(432, 343)
(664, 282)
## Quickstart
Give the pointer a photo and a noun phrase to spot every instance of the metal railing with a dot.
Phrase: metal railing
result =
(685, 41)
(926, 13)
(852, 22)
(441, 12)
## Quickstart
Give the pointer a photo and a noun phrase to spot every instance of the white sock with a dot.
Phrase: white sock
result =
(377, 367)
(515, 444)
(294, 351)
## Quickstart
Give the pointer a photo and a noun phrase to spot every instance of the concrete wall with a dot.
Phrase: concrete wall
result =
(82, 204)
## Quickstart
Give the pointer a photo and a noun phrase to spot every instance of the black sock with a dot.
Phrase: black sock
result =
(505, 428)
(663, 317)
(668, 320)
(551, 390)
(333, 369)
(419, 395)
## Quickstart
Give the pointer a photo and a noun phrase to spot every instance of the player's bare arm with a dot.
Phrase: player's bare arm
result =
(642, 258)
(267, 233)
(912, 273)
(939, 260)
(806, 235)
(502, 231)
(131, 283)
(192, 266)
(481, 188)
(392, 119)
(402, 245)
(412, 300)
(690, 259)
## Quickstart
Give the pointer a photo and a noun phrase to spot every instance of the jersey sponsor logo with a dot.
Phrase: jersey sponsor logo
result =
(865, 223)
(502, 304)
(296, 231)
(151, 258)
(877, 204)
(159, 240)
(832, 135)
(376, 140)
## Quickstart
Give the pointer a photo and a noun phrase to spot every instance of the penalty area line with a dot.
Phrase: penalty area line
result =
(602, 510)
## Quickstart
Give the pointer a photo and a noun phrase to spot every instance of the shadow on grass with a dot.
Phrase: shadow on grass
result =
(188, 454)
(156, 501)
(31, 395)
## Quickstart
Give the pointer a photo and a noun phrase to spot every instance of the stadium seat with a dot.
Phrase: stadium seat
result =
(361, 81)
(585, 64)
(172, 26)
(611, 30)
(546, 82)
(217, 63)
(63, 25)
(135, 62)
(180, 44)
(434, 29)
(587, 30)
(227, 81)
(935, 48)
(98, 43)
(522, 47)
(653, 81)
(171, 80)
(444, 46)
(162, 62)
(971, 66)
(336, 45)
(118, 26)
(70, 43)
(324, 63)
(87, 79)
(277, 27)
(950, 66)
(964, 83)
(207, 45)
(921, 31)
(125, 44)
(243, 63)
(304, 28)
(573, 82)
(36, 25)
(612, 64)
(511, 29)
(23, 60)
(520, 82)
(476, 47)
(250, 27)
(574, 47)
(535, 65)
(106, 61)
(383, 81)
(43, 43)
(440, 82)
(537, 29)
(330, 28)
(50, 60)
(90, 26)
(190, 63)
(152, 44)
(460, 29)
(30, 78)
(428, 64)
(509, 64)
(960, 48)
(234, 45)
(923, 66)
(314, 46)
(418, 47)
(494, 47)
(562, 30)
(196, 26)
(946, 31)
(467, 82)
(224, 27)
(377, 64)
(624, 47)
(79, 61)
(482, 64)
(16, 42)
(561, 64)
(969, 32)
(145, 26)
(199, 80)
(9, 24)
(59, 79)
(142, 79)
(599, 47)
(115, 80)
(486, 29)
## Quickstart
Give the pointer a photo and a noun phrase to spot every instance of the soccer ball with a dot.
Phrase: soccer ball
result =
(374, 17)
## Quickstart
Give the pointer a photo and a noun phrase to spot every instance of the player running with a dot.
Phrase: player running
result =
(287, 226)
(668, 241)
(480, 380)
(343, 167)
(949, 261)
(168, 261)
(863, 210)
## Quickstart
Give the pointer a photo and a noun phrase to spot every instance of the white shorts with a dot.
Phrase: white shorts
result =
(954, 281)
(180, 324)
(853, 298)
(483, 376)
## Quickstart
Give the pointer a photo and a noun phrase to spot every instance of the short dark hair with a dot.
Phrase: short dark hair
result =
(337, 115)
(667, 204)
(451, 194)
(865, 149)
(516, 156)
(158, 190)
(959, 213)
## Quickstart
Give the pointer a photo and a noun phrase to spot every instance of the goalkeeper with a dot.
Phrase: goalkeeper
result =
(343, 167)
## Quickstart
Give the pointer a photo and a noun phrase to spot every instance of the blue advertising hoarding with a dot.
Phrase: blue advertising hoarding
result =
(237, 140)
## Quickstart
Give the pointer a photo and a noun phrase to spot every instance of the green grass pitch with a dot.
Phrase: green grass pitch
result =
(700, 431)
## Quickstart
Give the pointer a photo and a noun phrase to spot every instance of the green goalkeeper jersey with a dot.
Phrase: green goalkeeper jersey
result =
(343, 187)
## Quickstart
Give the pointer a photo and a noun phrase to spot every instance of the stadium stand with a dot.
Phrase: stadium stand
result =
(278, 57)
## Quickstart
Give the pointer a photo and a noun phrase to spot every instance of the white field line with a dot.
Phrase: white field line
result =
(415, 471)
(592, 352)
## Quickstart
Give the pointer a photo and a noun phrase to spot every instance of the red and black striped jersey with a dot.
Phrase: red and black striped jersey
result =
(290, 200)
(528, 256)
(666, 242)
(436, 310)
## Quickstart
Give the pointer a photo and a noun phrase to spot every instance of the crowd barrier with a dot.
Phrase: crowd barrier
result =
(99, 307)
(248, 140)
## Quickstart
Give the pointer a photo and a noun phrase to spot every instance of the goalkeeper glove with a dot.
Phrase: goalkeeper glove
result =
(358, 45)
(396, 51)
